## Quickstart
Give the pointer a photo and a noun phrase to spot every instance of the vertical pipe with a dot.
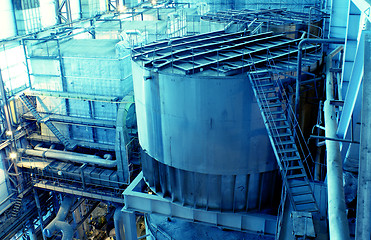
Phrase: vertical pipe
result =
(363, 224)
(338, 222)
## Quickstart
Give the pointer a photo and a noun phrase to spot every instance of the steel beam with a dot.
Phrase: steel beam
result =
(339, 9)
(364, 6)
(135, 200)
(355, 81)
(74, 191)
(363, 224)
(352, 35)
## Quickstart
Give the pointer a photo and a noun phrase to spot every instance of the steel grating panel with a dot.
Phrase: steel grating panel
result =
(223, 54)
(254, 17)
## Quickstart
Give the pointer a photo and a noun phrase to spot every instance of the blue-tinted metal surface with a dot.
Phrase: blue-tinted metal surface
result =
(355, 81)
(135, 200)
(352, 33)
(201, 124)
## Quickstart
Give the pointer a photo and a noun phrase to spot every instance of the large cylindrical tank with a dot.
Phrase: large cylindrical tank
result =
(48, 16)
(204, 141)
(8, 24)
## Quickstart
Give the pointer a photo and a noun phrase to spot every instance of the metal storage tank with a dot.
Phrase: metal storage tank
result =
(8, 26)
(203, 138)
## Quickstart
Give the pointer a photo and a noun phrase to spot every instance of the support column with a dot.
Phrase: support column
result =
(118, 222)
(39, 212)
(130, 225)
(363, 225)
(77, 216)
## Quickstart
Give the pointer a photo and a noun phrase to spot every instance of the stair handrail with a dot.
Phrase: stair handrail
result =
(271, 124)
(291, 117)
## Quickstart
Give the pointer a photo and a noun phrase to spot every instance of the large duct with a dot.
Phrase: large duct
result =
(70, 156)
(58, 223)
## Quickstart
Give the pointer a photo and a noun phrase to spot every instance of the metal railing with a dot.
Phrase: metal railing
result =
(298, 135)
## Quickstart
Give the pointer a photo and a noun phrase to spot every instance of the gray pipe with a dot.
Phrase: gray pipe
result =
(69, 156)
(58, 223)
(298, 66)
(338, 222)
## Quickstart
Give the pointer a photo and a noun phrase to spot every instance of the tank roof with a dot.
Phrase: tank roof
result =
(255, 17)
(223, 54)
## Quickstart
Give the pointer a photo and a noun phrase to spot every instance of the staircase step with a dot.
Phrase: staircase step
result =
(282, 127)
(272, 105)
(287, 159)
(301, 193)
(279, 119)
(294, 168)
(262, 78)
(284, 134)
(287, 150)
(284, 144)
(267, 91)
(296, 176)
(271, 98)
(266, 85)
(274, 112)
(309, 201)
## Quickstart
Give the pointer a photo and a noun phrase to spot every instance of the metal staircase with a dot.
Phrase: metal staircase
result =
(17, 206)
(285, 136)
(27, 102)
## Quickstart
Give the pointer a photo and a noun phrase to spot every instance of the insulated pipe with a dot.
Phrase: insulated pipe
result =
(58, 223)
(59, 151)
(298, 66)
(338, 222)
(69, 156)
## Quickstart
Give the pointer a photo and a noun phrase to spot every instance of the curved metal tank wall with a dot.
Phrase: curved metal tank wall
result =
(8, 25)
(204, 142)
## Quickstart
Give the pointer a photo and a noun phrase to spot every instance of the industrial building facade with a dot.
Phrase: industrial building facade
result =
(125, 119)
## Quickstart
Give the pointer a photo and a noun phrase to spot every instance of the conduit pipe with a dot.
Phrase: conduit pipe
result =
(70, 156)
(338, 222)
(298, 66)
(58, 223)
